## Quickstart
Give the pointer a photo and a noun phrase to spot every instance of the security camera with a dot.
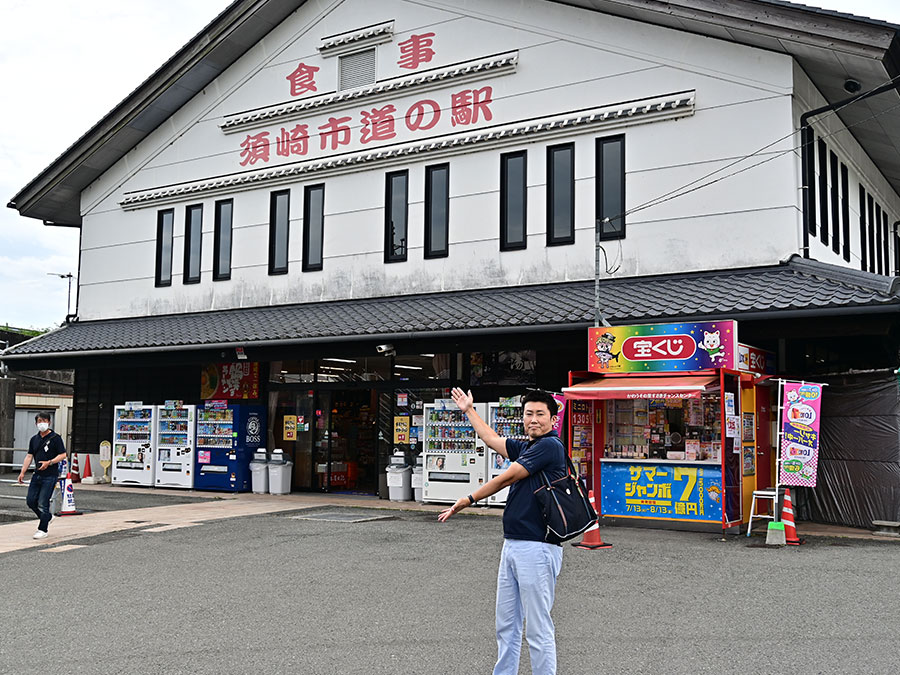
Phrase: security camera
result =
(387, 350)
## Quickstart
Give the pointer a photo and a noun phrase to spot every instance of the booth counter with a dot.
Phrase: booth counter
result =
(668, 448)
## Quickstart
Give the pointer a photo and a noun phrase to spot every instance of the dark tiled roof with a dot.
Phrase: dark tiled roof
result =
(797, 286)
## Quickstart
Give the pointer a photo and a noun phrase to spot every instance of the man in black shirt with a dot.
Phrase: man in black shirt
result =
(47, 449)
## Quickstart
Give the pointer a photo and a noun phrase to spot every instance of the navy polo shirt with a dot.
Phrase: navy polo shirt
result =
(44, 448)
(522, 517)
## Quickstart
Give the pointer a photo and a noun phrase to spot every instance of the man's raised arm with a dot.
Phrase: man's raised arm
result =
(491, 438)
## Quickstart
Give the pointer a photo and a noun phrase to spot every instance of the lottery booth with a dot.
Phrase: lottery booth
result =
(671, 426)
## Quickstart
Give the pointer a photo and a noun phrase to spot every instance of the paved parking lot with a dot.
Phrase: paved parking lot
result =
(272, 593)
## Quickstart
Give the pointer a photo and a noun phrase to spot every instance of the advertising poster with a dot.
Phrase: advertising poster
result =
(747, 460)
(401, 429)
(229, 381)
(561, 412)
(748, 428)
(801, 406)
(753, 360)
(668, 347)
(671, 492)
(290, 428)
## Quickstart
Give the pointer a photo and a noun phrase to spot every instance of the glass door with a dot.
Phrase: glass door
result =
(293, 426)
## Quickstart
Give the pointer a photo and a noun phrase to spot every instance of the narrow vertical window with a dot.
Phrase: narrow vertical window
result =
(279, 229)
(222, 240)
(809, 143)
(885, 236)
(879, 249)
(823, 192)
(165, 225)
(845, 209)
(862, 229)
(835, 204)
(870, 219)
(396, 207)
(611, 187)
(193, 238)
(513, 201)
(313, 227)
(561, 194)
(437, 211)
(896, 249)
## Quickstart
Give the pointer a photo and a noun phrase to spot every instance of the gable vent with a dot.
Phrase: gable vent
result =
(357, 69)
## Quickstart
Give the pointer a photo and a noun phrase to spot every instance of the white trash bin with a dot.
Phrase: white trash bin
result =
(417, 483)
(279, 474)
(259, 472)
(399, 483)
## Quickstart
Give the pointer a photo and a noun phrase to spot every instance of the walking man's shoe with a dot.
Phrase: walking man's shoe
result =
(40, 534)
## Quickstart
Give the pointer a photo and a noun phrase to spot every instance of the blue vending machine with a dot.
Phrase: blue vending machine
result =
(226, 439)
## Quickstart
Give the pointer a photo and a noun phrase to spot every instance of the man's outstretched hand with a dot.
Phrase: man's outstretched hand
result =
(463, 400)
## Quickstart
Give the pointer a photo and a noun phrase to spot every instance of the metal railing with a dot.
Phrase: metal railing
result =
(11, 465)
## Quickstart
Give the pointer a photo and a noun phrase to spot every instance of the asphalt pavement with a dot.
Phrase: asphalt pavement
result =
(404, 594)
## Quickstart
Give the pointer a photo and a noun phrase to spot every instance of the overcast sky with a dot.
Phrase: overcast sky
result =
(63, 65)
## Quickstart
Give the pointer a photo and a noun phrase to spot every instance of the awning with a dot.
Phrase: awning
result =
(618, 387)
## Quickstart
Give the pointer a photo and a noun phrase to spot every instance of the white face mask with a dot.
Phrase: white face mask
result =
(42, 426)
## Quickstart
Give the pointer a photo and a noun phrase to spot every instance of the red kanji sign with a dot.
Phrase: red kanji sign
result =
(466, 105)
(255, 148)
(377, 124)
(293, 142)
(303, 79)
(416, 50)
(335, 130)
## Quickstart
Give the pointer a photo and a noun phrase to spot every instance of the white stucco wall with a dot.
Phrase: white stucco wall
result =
(568, 60)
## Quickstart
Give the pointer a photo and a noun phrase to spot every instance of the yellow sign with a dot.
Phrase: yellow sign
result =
(290, 427)
(401, 429)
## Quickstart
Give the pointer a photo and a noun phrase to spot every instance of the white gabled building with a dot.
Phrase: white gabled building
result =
(332, 174)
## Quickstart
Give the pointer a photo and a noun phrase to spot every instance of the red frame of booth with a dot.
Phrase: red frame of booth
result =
(585, 385)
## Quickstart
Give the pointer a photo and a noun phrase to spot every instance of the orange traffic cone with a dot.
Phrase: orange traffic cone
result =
(74, 473)
(68, 497)
(87, 469)
(592, 540)
(787, 517)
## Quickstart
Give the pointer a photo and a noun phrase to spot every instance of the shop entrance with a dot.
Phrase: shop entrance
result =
(348, 435)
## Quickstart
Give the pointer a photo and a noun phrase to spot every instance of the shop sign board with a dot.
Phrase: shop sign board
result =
(664, 491)
(665, 347)
(561, 410)
(800, 418)
(230, 381)
(753, 360)
(401, 429)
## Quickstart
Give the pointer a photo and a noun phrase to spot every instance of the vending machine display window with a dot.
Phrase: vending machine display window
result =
(175, 446)
(506, 418)
(134, 443)
(453, 455)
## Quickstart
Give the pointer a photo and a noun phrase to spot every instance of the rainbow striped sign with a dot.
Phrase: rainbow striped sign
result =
(663, 347)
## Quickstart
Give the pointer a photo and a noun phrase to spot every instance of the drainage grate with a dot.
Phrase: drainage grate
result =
(342, 517)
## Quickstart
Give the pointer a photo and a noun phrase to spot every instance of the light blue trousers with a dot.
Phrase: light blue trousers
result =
(526, 585)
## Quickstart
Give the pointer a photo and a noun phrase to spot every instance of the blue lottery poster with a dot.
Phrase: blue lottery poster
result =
(669, 491)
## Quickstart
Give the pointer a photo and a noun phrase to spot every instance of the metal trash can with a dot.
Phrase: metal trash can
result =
(279, 473)
(259, 472)
(417, 482)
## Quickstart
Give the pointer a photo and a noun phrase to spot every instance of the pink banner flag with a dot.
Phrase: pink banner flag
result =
(801, 407)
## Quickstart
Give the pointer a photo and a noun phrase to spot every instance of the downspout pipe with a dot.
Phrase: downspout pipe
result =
(808, 157)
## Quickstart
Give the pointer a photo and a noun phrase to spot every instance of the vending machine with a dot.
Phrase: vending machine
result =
(504, 417)
(175, 427)
(134, 443)
(227, 437)
(453, 455)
